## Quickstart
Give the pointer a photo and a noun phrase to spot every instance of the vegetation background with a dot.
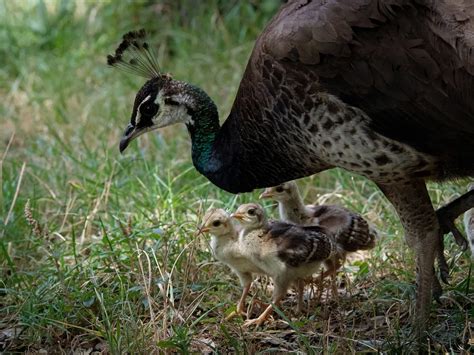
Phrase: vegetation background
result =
(99, 252)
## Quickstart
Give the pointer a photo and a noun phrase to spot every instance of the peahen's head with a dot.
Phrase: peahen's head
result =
(162, 101)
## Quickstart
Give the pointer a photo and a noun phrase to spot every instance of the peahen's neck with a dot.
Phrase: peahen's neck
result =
(216, 150)
(233, 156)
(203, 128)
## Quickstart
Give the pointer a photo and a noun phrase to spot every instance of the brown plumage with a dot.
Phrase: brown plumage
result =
(350, 231)
(288, 253)
(382, 88)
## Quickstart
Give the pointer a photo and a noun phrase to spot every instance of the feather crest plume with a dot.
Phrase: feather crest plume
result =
(134, 55)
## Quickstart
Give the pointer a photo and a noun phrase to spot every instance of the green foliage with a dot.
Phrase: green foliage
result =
(105, 254)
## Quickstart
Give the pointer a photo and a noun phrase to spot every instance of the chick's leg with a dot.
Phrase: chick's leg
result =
(246, 281)
(300, 288)
(278, 293)
(262, 317)
(332, 266)
(241, 304)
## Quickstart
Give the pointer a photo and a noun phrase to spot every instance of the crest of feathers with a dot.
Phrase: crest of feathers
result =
(135, 56)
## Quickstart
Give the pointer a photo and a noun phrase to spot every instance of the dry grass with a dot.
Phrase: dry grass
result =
(98, 251)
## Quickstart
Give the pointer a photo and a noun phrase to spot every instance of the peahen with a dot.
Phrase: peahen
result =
(382, 88)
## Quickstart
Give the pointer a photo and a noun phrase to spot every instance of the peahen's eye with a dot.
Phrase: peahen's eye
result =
(251, 212)
(279, 189)
(216, 223)
(149, 109)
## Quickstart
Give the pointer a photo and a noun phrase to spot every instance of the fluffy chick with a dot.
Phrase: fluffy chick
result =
(286, 252)
(225, 248)
(351, 232)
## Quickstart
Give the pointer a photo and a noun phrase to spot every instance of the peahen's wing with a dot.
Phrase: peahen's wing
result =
(408, 64)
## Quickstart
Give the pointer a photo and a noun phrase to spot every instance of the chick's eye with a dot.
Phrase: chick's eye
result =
(149, 109)
(279, 189)
(216, 223)
(251, 212)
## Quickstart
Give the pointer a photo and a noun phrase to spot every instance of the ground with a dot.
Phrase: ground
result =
(99, 251)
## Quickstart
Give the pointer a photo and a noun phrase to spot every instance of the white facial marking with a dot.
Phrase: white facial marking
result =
(139, 115)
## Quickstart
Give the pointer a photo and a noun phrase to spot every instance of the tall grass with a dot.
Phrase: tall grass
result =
(99, 251)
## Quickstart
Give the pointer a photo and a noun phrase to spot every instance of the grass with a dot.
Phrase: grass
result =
(98, 251)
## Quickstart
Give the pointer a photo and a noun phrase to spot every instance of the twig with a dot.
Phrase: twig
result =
(15, 196)
(4, 156)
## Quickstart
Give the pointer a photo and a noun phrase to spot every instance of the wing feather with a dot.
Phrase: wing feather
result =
(408, 64)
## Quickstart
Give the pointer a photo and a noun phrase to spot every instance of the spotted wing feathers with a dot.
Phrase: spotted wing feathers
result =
(350, 230)
(409, 65)
(299, 245)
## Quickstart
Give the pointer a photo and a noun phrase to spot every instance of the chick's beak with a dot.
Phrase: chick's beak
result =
(266, 194)
(238, 216)
(204, 229)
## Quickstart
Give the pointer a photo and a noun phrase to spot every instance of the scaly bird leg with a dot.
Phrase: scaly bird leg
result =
(422, 233)
(263, 317)
(240, 311)
(332, 266)
(446, 217)
(449, 212)
(300, 289)
(279, 291)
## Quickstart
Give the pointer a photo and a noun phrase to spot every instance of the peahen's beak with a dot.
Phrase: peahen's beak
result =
(130, 133)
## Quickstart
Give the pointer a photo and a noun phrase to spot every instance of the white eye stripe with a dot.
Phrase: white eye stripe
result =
(145, 100)
(139, 115)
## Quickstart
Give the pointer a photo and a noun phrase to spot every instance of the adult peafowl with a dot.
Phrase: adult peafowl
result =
(382, 88)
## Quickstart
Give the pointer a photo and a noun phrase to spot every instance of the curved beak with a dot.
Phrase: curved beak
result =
(130, 133)
(127, 137)
(266, 194)
(238, 216)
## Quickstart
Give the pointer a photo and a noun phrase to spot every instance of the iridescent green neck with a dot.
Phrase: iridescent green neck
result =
(203, 128)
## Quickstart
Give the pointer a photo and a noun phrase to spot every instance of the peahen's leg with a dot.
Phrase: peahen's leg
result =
(449, 212)
(422, 233)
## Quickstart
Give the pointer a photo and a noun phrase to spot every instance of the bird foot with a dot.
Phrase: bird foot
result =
(236, 313)
(261, 319)
(256, 321)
